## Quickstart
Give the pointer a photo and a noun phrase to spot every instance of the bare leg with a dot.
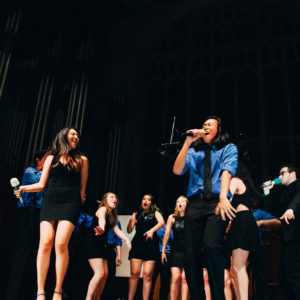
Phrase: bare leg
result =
(97, 264)
(63, 234)
(101, 286)
(135, 271)
(227, 286)
(206, 284)
(147, 278)
(239, 260)
(47, 232)
(175, 283)
(184, 286)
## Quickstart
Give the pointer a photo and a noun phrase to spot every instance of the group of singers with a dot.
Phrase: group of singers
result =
(220, 192)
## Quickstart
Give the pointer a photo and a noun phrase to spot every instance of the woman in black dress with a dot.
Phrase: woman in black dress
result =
(243, 235)
(145, 249)
(67, 169)
(177, 263)
(96, 243)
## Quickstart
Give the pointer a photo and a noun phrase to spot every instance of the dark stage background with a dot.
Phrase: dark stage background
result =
(120, 70)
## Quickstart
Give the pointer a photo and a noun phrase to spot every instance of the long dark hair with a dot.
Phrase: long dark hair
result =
(60, 147)
(243, 173)
(153, 208)
(220, 140)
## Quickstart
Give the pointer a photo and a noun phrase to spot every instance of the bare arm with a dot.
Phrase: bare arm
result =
(122, 236)
(39, 186)
(160, 224)
(84, 177)
(131, 223)
(100, 214)
(273, 223)
(118, 255)
(224, 207)
(181, 158)
(167, 234)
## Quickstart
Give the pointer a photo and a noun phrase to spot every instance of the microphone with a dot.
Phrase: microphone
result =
(14, 182)
(190, 133)
(275, 181)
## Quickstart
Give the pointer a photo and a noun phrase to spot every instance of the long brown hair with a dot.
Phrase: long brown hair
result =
(176, 212)
(153, 208)
(60, 147)
(112, 213)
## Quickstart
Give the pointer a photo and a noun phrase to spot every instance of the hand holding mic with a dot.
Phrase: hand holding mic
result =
(200, 133)
(271, 182)
(266, 186)
(14, 182)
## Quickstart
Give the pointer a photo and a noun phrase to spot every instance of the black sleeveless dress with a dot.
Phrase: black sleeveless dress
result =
(177, 244)
(62, 200)
(142, 249)
(244, 231)
(96, 246)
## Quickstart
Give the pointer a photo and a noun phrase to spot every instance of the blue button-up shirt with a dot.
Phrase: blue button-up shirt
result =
(30, 176)
(160, 233)
(222, 159)
(112, 238)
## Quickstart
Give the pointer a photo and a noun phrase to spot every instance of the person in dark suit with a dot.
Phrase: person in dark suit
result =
(290, 218)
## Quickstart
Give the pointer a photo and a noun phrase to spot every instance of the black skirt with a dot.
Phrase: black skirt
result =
(243, 232)
(177, 259)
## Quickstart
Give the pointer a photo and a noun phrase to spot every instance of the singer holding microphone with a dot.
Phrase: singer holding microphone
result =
(290, 218)
(67, 170)
(211, 161)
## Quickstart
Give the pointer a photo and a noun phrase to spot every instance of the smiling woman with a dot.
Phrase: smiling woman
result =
(67, 169)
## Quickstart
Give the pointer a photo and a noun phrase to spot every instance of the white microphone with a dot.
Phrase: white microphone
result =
(274, 181)
(14, 182)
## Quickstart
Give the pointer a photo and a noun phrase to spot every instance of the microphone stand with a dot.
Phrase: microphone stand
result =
(171, 148)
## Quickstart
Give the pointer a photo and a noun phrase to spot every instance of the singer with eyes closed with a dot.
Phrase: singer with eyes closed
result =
(27, 234)
(211, 161)
(67, 170)
(290, 219)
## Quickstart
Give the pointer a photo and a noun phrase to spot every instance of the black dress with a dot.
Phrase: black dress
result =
(96, 245)
(142, 249)
(177, 244)
(244, 231)
(62, 200)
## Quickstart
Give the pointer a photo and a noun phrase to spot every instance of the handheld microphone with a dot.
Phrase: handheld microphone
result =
(14, 182)
(190, 133)
(275, 181)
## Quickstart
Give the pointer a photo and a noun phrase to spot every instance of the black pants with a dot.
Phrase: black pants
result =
(109, 289)
(22, 277)
(204, 244)
(290, 270)
(165, 276)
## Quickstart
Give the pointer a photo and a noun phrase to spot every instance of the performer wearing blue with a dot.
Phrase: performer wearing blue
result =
(27, 234)
(211, 161)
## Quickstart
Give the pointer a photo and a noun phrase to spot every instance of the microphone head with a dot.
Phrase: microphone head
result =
(277, 181)
(14, 182)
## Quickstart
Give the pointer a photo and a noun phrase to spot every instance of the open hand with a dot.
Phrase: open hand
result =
(225, 209)
(288, 215)
(149, 234)
(98, 230)
(163, 258)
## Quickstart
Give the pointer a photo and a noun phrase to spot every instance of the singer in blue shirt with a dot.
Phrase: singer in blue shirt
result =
(211, 161)
(27, 233)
